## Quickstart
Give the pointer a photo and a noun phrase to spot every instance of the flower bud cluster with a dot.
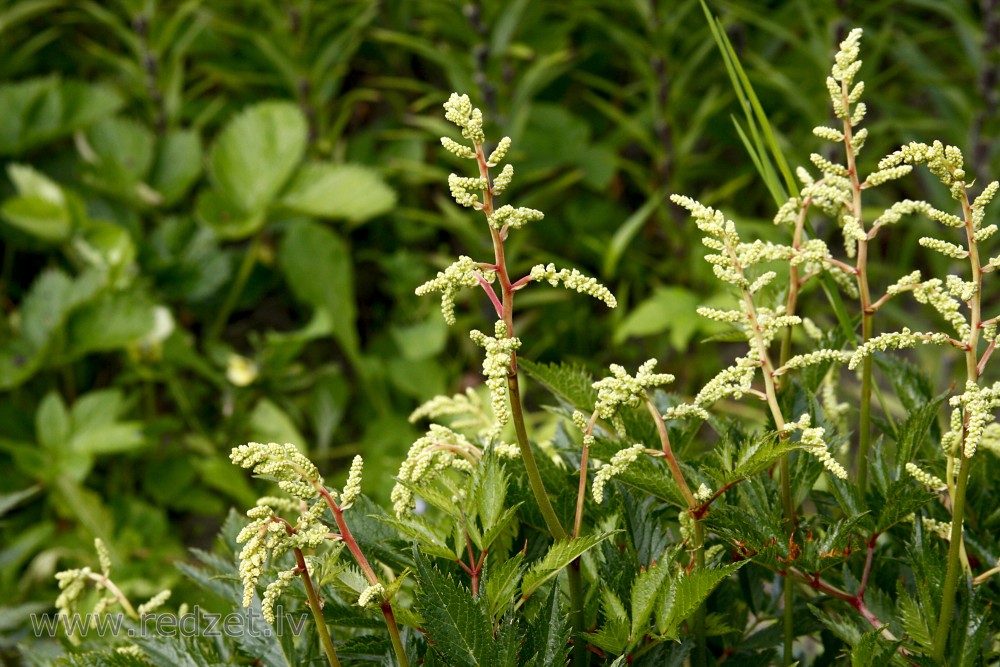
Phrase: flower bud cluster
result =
(372, 596)
(268, 537)
(622, 389)
(467, 408)
(574, 280)
(462, 189)
(925, 478)
(619, 462)
(812, 441)
(352, 488)
(945, 248)
(459, 110)
(463, 273)
(896, 340)
(734, 381)
(499, 153)
(945, 162)
(497, 365)
(460, 150)
(931, 292)
(274, 591)
(285, 464)
(811, 358)
(514, 218)
(845, 67)
(437, 451)
(978, 404)
(981, 202)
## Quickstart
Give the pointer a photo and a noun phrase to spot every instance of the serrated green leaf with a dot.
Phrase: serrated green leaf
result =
(256, 153)
(489, 490)
(502, 581)
(914, 431)
(872, 650)
(571, 383)
(559, 555)
(455, 622)
(903, 497)
(913, 618)
(645, 592)
(344, 191)
(550, 639)
(757, 454)
(685, 594)
(430, 542)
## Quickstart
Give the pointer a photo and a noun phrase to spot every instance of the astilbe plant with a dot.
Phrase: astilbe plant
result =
(699, 531)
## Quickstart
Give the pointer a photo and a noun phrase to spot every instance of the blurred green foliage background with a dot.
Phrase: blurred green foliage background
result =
(213, 216)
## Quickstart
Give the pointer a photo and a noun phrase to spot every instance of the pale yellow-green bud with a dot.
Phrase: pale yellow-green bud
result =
(461, 187)
(925, 478)
(352, 489)
(154, 603)
(459, 110)
(460, 274)
(499, 153)
(619, 462)
(622, 389)
(461, 150)
(897, 340)
(274, 591)
(372, 596)
(943, 247)
(515, 218)
(503, 179)
(574, 280)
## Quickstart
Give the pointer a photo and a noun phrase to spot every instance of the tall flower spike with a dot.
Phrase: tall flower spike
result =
(496, 365)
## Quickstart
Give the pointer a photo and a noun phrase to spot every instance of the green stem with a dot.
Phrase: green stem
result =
(397, 640)
(701, 640)
(956, 545)
(576, 601)
(528, 457)
(235, 289)
(788, 592)
(954, 565)
(317, 611)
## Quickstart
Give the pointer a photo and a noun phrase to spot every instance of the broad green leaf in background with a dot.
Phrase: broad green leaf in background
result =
(226, 219)
(40, 110)
(256, 153)
(317, 265)
(120, 153)
(177, 165)
(41, 207)
(345, 191)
